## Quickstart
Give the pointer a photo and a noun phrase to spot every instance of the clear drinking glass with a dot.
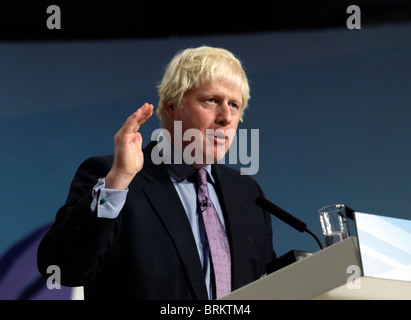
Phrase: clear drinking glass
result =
(334, 223)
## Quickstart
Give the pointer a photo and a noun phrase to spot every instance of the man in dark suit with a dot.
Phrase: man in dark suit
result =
(134, 227)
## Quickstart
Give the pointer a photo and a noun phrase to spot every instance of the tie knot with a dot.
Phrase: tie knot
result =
(202, 177)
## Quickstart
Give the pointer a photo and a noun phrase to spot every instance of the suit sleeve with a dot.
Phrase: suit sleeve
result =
(78, 242)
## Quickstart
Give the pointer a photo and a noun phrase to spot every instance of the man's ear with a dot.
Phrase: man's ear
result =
(169, 108)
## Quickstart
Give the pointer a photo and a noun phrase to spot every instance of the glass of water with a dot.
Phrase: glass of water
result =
(334, 223)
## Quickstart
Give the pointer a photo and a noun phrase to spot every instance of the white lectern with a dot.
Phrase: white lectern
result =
(335, 272)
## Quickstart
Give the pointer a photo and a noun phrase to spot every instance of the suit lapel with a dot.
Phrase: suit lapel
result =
(164, 198)
(232, 208)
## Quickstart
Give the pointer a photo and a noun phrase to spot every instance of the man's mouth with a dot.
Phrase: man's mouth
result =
(219, 138)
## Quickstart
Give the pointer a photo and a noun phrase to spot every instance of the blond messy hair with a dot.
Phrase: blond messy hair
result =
(191, 68)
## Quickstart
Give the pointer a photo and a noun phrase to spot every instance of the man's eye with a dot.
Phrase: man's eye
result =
(234, 105)
(211, 100)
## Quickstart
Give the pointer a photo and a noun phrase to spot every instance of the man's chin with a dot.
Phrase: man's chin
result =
(218, 155)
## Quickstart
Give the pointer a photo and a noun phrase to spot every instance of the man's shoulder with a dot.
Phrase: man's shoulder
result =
(231, 173)
(104, 161)
(108, 159)
(95, 167)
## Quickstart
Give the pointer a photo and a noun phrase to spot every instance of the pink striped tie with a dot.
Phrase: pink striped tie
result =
(217, 238)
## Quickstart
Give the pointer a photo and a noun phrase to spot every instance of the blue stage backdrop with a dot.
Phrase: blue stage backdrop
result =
(332, 108)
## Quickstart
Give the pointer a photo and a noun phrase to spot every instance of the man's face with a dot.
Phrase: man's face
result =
(214, 110)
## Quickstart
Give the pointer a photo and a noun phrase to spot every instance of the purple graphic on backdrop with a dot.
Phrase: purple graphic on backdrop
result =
(19, 277)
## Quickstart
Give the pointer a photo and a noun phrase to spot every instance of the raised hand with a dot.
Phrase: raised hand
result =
(128, 154)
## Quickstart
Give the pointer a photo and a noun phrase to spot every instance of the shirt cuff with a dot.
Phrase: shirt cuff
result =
(107, 203)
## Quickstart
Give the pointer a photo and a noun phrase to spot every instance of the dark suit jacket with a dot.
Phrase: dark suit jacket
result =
(149, 251)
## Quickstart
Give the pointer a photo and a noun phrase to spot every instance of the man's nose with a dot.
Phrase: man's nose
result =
(223, 116)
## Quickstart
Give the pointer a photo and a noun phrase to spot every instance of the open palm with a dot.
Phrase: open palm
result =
(128, 154)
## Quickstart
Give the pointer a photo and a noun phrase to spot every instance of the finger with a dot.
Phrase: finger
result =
(132, 122)
(142, 115)
(146, 114)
